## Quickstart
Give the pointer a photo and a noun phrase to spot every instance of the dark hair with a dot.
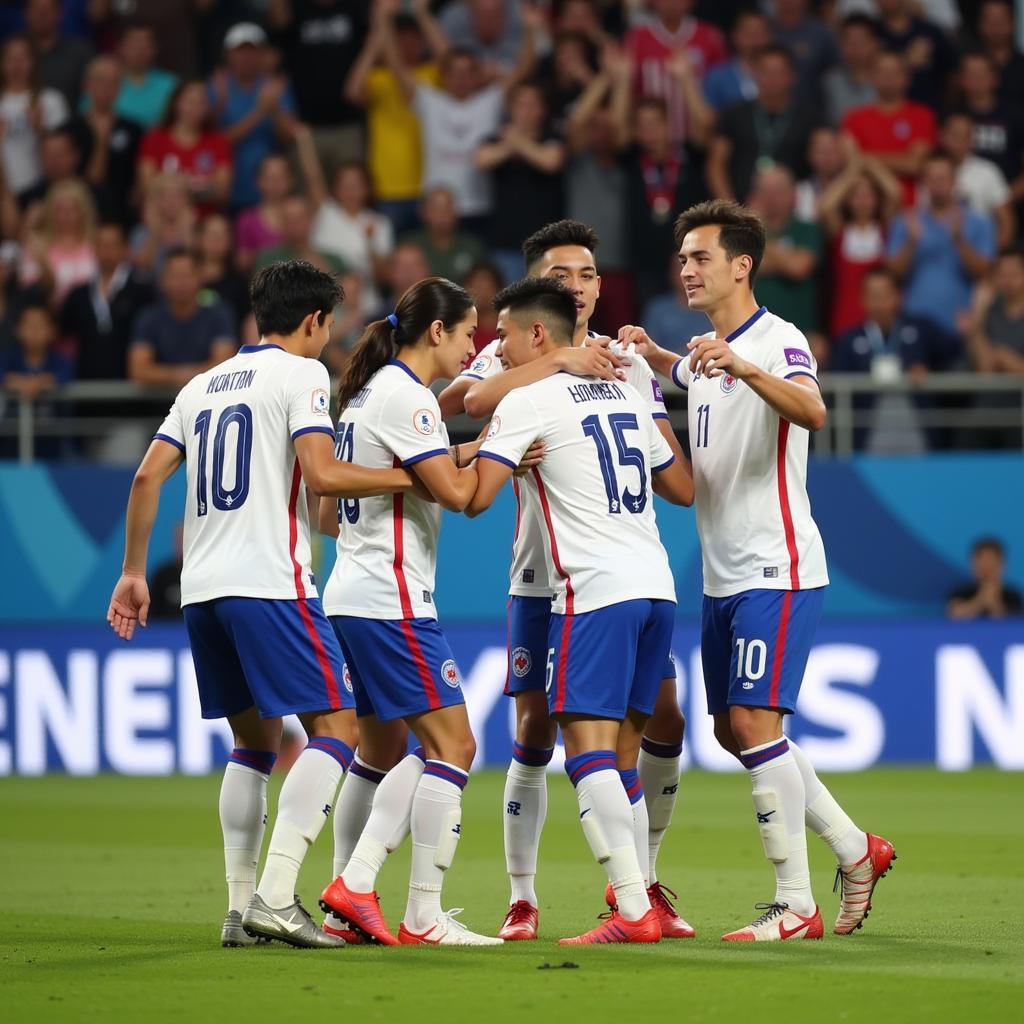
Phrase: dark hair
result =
(486, 267)
(560, 232)
(20, 37)
(546, 300)
(859, 21)
(655, 103)
(883, 271)
(455, 53)
(171, 110)
(284, 294)
(433, 298)
(775, 50)
(112, 225)
(741, 231)
(35, 304)
(989, 544)
(1013, 252)
(179, 252)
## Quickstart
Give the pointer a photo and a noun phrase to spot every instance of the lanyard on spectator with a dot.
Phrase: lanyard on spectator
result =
(660, 185)
(769, 132)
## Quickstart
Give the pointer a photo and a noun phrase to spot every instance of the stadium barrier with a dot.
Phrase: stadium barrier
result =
(78, 700)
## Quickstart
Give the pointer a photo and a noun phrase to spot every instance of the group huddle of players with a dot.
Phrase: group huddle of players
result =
(578, 425)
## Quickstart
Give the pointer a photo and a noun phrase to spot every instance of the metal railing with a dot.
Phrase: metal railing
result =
(66, 413)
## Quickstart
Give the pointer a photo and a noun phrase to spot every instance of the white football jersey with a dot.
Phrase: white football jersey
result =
(529, 574)
(750, 469)
(246, 520)
(387, 546)
(593, 488)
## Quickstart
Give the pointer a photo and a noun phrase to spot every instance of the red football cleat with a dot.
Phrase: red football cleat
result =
(520, 922)
(778, 923)
(617, 929)
(352, 938)
(360, 909)
(672, 925)
(858, 883)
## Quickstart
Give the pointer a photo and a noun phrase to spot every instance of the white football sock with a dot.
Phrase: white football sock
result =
(243, 820)
(778, 791)
(609, 830)
(826, 818)
(388, 824)
(526, 807)
(658, 767)
(436, 826)
(641, 822)
(307, 797)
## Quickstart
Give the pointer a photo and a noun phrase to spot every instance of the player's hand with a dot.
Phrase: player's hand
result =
(590, 361)
(714, 356)
(129, 604)
(641, 341)
(534, 457)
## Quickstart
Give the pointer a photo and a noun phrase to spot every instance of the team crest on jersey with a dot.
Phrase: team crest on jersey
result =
(450, 674)
(729, 383)
(494, 427)
(480, 364)
(320, 401)
(521, 662)
(424, 421)
(346, 677)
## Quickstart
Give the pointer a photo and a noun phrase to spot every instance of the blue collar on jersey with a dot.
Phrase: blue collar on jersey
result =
(402, 366)
(259, 348)
(747, 325)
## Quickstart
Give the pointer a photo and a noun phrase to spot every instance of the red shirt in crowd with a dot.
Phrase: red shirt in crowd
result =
(883, 133)
(855, 251)
(652, 46)
(209, 154)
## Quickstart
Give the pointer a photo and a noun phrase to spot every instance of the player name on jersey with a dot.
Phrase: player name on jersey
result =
(596, 391)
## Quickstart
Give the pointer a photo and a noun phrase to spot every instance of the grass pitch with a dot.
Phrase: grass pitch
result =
(112, 902)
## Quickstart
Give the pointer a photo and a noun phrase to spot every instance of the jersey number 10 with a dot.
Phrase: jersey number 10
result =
(227, 499)
(348, 508)
(629, 457)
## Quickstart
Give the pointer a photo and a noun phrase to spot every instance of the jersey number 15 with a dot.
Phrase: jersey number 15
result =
(628, 457)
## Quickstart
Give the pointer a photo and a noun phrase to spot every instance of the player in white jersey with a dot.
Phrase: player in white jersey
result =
(565, 251)
(610, 624)
(753, 397)
(380, 602)
(250, 432)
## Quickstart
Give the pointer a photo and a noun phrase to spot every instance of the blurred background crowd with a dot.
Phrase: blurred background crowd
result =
(153, 153)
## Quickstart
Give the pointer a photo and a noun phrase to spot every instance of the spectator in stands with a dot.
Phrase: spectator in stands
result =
(492, 30)
(253, 108)
(176, 338)
(896, 130)
(787, 278)
(892, 345)
(26, 111)
(671, 55)
(809, 40)
(32, 369)
(321, 40)
(998, 126)
(10, 294)
(733, 81)
(145, 89)
(826, 158)
(449, 252)
(172, 23)
(60, 160)
(979, 182)
(668, 319)
(662, 177)
(942, 248)
(774, 128)
(217, 273)
(524, 162)
(987, 596)
(484, 282)
(185, 144)
(996, 33)
(395, 152)
(345, 225)
(929, 55)
(855, 211)
(168, 222)
(259, 227)
(296, 239)
(350, 318)
(61, 254)
(98, 314)
(564, 74)
(109, 143)
(61, 59)
(407, 266)
(851, 83)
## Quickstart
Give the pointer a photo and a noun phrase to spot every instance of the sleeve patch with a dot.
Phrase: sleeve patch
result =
(494, 427)
(656, 389)
(797, 357)
(424, 421)
(320, 401)
(480, 365)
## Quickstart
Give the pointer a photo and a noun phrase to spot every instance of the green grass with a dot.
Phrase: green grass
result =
(112, 901)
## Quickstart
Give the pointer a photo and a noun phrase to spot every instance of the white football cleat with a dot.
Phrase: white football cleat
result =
(446, 931)
(777, 924)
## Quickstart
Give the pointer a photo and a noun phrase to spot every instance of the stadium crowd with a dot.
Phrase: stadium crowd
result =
(150, 162)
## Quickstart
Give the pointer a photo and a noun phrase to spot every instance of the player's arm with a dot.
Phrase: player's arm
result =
(129, 603)
(144, 369)
(796, 399)
(661, 360)
(512, 438)
(450, 486)
(327, 519)
(492, 475)
(483, 396)
(327, 477)
(453, 399)
(674, 482)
